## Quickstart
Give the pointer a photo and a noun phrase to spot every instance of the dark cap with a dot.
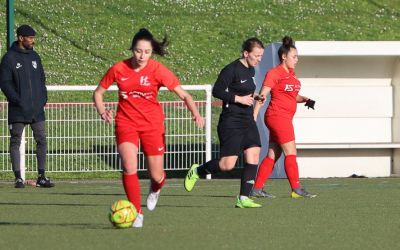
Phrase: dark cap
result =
(25, 30)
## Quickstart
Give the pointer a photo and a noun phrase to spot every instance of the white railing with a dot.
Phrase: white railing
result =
(79, 141)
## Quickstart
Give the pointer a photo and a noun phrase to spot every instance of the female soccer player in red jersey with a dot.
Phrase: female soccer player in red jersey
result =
(284, 87)
(237, 130)
(139, 114)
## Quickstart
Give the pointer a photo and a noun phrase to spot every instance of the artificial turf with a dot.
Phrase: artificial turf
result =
(347, 214)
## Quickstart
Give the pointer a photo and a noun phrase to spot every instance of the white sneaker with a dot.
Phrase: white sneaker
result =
(152, 199)
(138, 223)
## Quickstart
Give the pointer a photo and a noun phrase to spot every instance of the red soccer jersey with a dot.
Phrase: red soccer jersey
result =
(284, 89)
(138, 104)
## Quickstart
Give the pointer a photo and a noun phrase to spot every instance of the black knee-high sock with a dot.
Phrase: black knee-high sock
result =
(210, 167)
(248, 178)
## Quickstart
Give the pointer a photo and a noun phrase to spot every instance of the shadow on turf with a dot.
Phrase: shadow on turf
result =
(145, 195)
(50, 204)
(194, 206)
(198, 195)
(74, 225)
(85, 194)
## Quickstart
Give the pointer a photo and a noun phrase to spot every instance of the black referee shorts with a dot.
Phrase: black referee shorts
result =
(233, 141)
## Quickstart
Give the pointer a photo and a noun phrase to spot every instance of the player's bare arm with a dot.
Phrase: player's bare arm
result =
(264, 92)
(105, 114)
(187, 98)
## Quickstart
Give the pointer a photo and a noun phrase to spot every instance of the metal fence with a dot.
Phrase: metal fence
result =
(79, 141)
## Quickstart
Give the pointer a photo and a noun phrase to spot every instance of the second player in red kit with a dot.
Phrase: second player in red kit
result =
(139, 115)
(281, 82)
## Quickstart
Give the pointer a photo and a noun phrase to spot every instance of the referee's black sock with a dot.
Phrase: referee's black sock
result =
(248, 178)
(210, 167)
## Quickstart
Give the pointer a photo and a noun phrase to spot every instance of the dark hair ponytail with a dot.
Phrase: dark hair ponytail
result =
(144, 34)
(287, 44)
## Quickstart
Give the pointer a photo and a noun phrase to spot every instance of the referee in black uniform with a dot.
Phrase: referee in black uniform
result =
(237, 129)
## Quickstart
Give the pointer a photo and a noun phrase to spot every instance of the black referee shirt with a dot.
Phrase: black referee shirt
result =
(235, 79)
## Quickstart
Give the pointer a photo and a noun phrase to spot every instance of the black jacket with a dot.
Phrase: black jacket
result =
(22, 81)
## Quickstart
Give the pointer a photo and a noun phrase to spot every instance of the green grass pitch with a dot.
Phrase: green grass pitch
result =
(78, 40)
(347, 214)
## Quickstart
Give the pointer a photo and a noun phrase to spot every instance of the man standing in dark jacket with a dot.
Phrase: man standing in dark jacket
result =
(22, 81)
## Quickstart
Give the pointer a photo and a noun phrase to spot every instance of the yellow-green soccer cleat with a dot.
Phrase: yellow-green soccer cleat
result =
(191, 177)
(301, 193)
(246, 203)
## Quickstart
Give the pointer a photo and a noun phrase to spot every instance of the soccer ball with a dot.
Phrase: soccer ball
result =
(122, 214)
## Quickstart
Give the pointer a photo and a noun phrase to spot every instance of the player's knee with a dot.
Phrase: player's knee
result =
(253, 159)
(226, 165)
(130, 170)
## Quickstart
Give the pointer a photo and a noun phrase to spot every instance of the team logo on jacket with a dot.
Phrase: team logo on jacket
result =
(34, 64)
(292, 87)
(144, 81)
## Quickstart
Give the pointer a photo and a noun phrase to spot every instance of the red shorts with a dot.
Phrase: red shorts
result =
(280, 129)
(151, 141)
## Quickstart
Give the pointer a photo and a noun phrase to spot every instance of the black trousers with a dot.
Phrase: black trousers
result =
(39, 134)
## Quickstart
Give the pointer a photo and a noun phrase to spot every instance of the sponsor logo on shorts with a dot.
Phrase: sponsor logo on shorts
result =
(243, 81)
(160, 148)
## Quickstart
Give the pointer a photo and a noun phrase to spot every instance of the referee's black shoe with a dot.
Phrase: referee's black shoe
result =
(19, 183)
(43, 181)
